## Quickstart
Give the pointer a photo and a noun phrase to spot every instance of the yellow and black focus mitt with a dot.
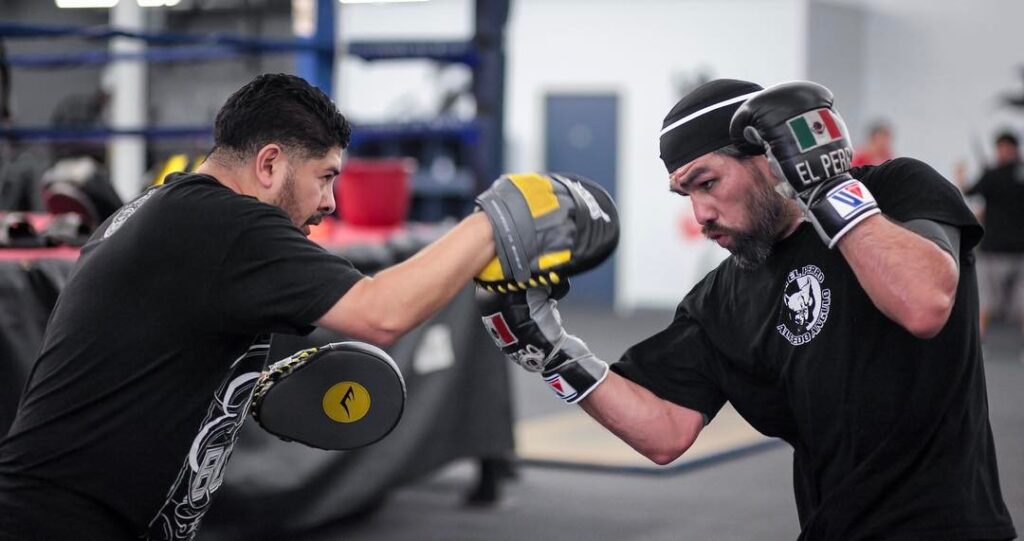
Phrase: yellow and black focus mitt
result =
(547, 226)
(339, 396)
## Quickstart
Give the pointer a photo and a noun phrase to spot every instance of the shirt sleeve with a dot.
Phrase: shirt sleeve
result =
(907, 189)
(274, 279)
(944, 236)
(675, 365)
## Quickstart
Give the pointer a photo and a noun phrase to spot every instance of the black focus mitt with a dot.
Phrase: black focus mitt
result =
(340, 396)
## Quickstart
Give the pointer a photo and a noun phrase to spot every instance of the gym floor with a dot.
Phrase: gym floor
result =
(748, 497)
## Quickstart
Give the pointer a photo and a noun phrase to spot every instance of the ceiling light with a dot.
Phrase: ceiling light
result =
(158, 3)
(379, 1)
(86, 3)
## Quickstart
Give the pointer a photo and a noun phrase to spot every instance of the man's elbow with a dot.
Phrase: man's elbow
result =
(664, 457)
(929, 318)
(665, 451)
(378, 330)
(382, 338)
(385, 330)
(364, 314)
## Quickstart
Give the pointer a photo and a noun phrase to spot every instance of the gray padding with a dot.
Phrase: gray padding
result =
(508, 211)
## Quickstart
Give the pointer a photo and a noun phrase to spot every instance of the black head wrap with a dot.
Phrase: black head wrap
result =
(699, 123)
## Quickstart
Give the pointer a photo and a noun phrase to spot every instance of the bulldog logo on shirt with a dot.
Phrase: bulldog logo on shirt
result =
(805, 305)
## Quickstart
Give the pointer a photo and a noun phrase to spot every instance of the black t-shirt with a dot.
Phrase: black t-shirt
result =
(1003, 190)
(890, 432)
(149, 361)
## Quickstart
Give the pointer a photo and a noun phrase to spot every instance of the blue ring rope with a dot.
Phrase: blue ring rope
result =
(101, 57)
(216, 46)
(23, 30)
(361, 134)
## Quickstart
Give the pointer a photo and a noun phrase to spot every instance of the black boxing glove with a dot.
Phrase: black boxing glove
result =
(527, 328)
(809, 147)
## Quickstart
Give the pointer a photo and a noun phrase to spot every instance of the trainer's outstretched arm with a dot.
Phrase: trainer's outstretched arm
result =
(658, 429)
(382, 308)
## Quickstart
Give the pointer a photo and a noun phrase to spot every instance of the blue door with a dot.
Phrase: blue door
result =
(581, 136)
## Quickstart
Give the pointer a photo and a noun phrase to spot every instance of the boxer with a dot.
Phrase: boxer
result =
(844, 321)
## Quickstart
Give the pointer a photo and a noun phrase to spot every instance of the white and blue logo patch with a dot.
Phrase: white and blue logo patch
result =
(849, 197)
(805, 305)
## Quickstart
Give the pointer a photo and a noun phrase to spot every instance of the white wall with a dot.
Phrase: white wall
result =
(936, 67)
(636, 48)
(836, 34)
(401, 89)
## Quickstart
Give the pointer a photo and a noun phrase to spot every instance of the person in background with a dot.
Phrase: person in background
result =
(877, 149)
(1001, 252)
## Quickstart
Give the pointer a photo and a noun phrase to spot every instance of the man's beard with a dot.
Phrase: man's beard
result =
(289, 203)
(767, 212)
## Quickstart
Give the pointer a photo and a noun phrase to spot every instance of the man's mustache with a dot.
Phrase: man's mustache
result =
(710, 228)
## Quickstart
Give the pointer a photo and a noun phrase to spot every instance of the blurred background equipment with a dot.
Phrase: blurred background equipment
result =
(81, 185)
(374, 193)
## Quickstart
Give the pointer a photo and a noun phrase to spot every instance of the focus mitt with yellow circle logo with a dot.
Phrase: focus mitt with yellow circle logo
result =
(340, 396)
(547, 227)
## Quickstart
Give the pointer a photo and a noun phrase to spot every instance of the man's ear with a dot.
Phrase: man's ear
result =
(271, 165)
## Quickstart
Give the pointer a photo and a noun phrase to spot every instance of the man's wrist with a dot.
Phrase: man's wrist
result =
(838, 206)
(575, 379)
(861, 232)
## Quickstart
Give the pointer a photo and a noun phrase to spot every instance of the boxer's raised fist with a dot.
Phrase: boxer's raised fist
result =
(809, 148)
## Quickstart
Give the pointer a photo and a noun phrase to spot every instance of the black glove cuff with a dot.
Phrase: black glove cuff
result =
(576, 379)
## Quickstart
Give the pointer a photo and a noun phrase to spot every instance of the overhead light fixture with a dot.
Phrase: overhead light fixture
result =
(113, 3)
(303, 18)
(379, 1)
(86, 3)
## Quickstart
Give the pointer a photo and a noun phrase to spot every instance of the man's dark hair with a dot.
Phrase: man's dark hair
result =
(734, 152)
(1007, 138)
(282, 109)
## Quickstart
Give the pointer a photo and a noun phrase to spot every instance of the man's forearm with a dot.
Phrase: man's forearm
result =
(909, 278)
(423, 284)
(382, 308)
(656, 428)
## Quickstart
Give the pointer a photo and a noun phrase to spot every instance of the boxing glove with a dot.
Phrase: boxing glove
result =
(808, 146)
(527, 327)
